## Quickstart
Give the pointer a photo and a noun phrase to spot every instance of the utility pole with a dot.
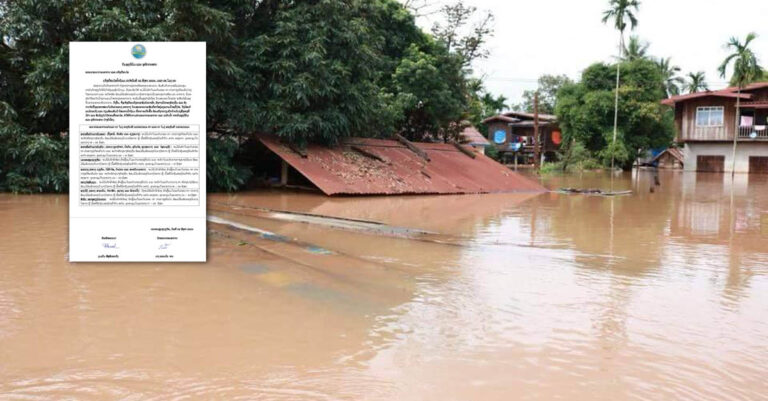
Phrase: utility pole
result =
(536, 139)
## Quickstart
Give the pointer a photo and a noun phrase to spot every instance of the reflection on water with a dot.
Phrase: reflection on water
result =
(656, 295)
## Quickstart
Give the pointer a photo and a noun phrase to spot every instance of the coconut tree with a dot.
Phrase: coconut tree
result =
(620, 12)
(696, 82)
(635, 49)
(672, 82)
(746, 69)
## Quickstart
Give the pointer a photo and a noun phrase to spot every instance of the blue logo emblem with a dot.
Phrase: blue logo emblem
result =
(138, 51)
(500, 136)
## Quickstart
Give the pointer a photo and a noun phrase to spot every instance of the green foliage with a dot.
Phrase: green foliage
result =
(635, 49)
(493, 152)
(697, 82)
(621, 12)
(585, 110)
(573, 158)
(34, 163)
(743, 61)
(308, 71)
(431, 92)
(548, 86)
(669, 72)
(224, 173)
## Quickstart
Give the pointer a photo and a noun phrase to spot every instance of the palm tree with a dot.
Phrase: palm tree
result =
(669, 72)
(621, 12)
(746, 69)
(635, 49)
(696, 82)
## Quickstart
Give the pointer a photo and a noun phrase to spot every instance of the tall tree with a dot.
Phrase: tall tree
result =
(548, 85)
(746, 69)
(585, 111)
(458, 18)
(621, 12)
(669, 71)
(697, 82)
(635, 49)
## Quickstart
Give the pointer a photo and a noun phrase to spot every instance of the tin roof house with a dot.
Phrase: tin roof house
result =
(706, 124)
(470, 136)
(512, 133)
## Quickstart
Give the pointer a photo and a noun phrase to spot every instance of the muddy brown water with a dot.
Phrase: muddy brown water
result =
(652, 296)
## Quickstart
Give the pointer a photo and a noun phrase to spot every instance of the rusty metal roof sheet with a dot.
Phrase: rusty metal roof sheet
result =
(471, 136)
(390, 168)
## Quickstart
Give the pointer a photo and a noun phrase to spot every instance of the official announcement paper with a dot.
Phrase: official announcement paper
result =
(137, 152)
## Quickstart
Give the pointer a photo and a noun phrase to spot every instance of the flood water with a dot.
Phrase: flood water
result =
(653, 296)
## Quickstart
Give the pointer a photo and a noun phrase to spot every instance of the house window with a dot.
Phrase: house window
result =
(709, 116)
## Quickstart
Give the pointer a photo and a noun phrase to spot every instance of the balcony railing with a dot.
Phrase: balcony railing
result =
(746, 133)
(708, 134)
(753, 132)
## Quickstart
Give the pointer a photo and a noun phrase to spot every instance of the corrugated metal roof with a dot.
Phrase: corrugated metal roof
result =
(670, 101)
(530, 116)
(501, 118)
(674, 152)
(391, 168)
(471, 136)
(731, 92)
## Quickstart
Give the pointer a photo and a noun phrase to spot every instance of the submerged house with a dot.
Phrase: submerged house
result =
(706, 124)
(512, 134)
(470, 136)
(369, 166)
(669, 158)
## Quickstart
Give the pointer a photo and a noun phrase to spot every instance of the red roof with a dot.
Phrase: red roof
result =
(731, 92)
(471, 136)
(674, 99)
(391, 168)
(530, 116)
(501, 117)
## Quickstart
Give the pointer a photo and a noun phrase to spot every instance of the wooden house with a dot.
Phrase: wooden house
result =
(670, 158)
(512, 133)
(706, 124)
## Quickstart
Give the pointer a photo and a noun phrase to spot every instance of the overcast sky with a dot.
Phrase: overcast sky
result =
(535, 37)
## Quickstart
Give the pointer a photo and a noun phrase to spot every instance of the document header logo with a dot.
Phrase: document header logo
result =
(139, 51)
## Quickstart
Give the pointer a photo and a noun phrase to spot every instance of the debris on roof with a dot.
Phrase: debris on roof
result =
(388, 167)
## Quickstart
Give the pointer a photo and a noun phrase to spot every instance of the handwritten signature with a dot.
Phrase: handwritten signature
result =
(164, 246)
(110, 245)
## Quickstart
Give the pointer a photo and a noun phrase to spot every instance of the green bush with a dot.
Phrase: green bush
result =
(492, 152)
(33, 163)
(574, 158)
(224, 173)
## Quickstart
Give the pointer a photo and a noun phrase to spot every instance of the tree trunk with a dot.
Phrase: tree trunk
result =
(616, 98)
(536, 139)
(736, 133)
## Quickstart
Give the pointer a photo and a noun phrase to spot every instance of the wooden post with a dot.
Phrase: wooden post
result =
(536, 139)
(284, 173)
